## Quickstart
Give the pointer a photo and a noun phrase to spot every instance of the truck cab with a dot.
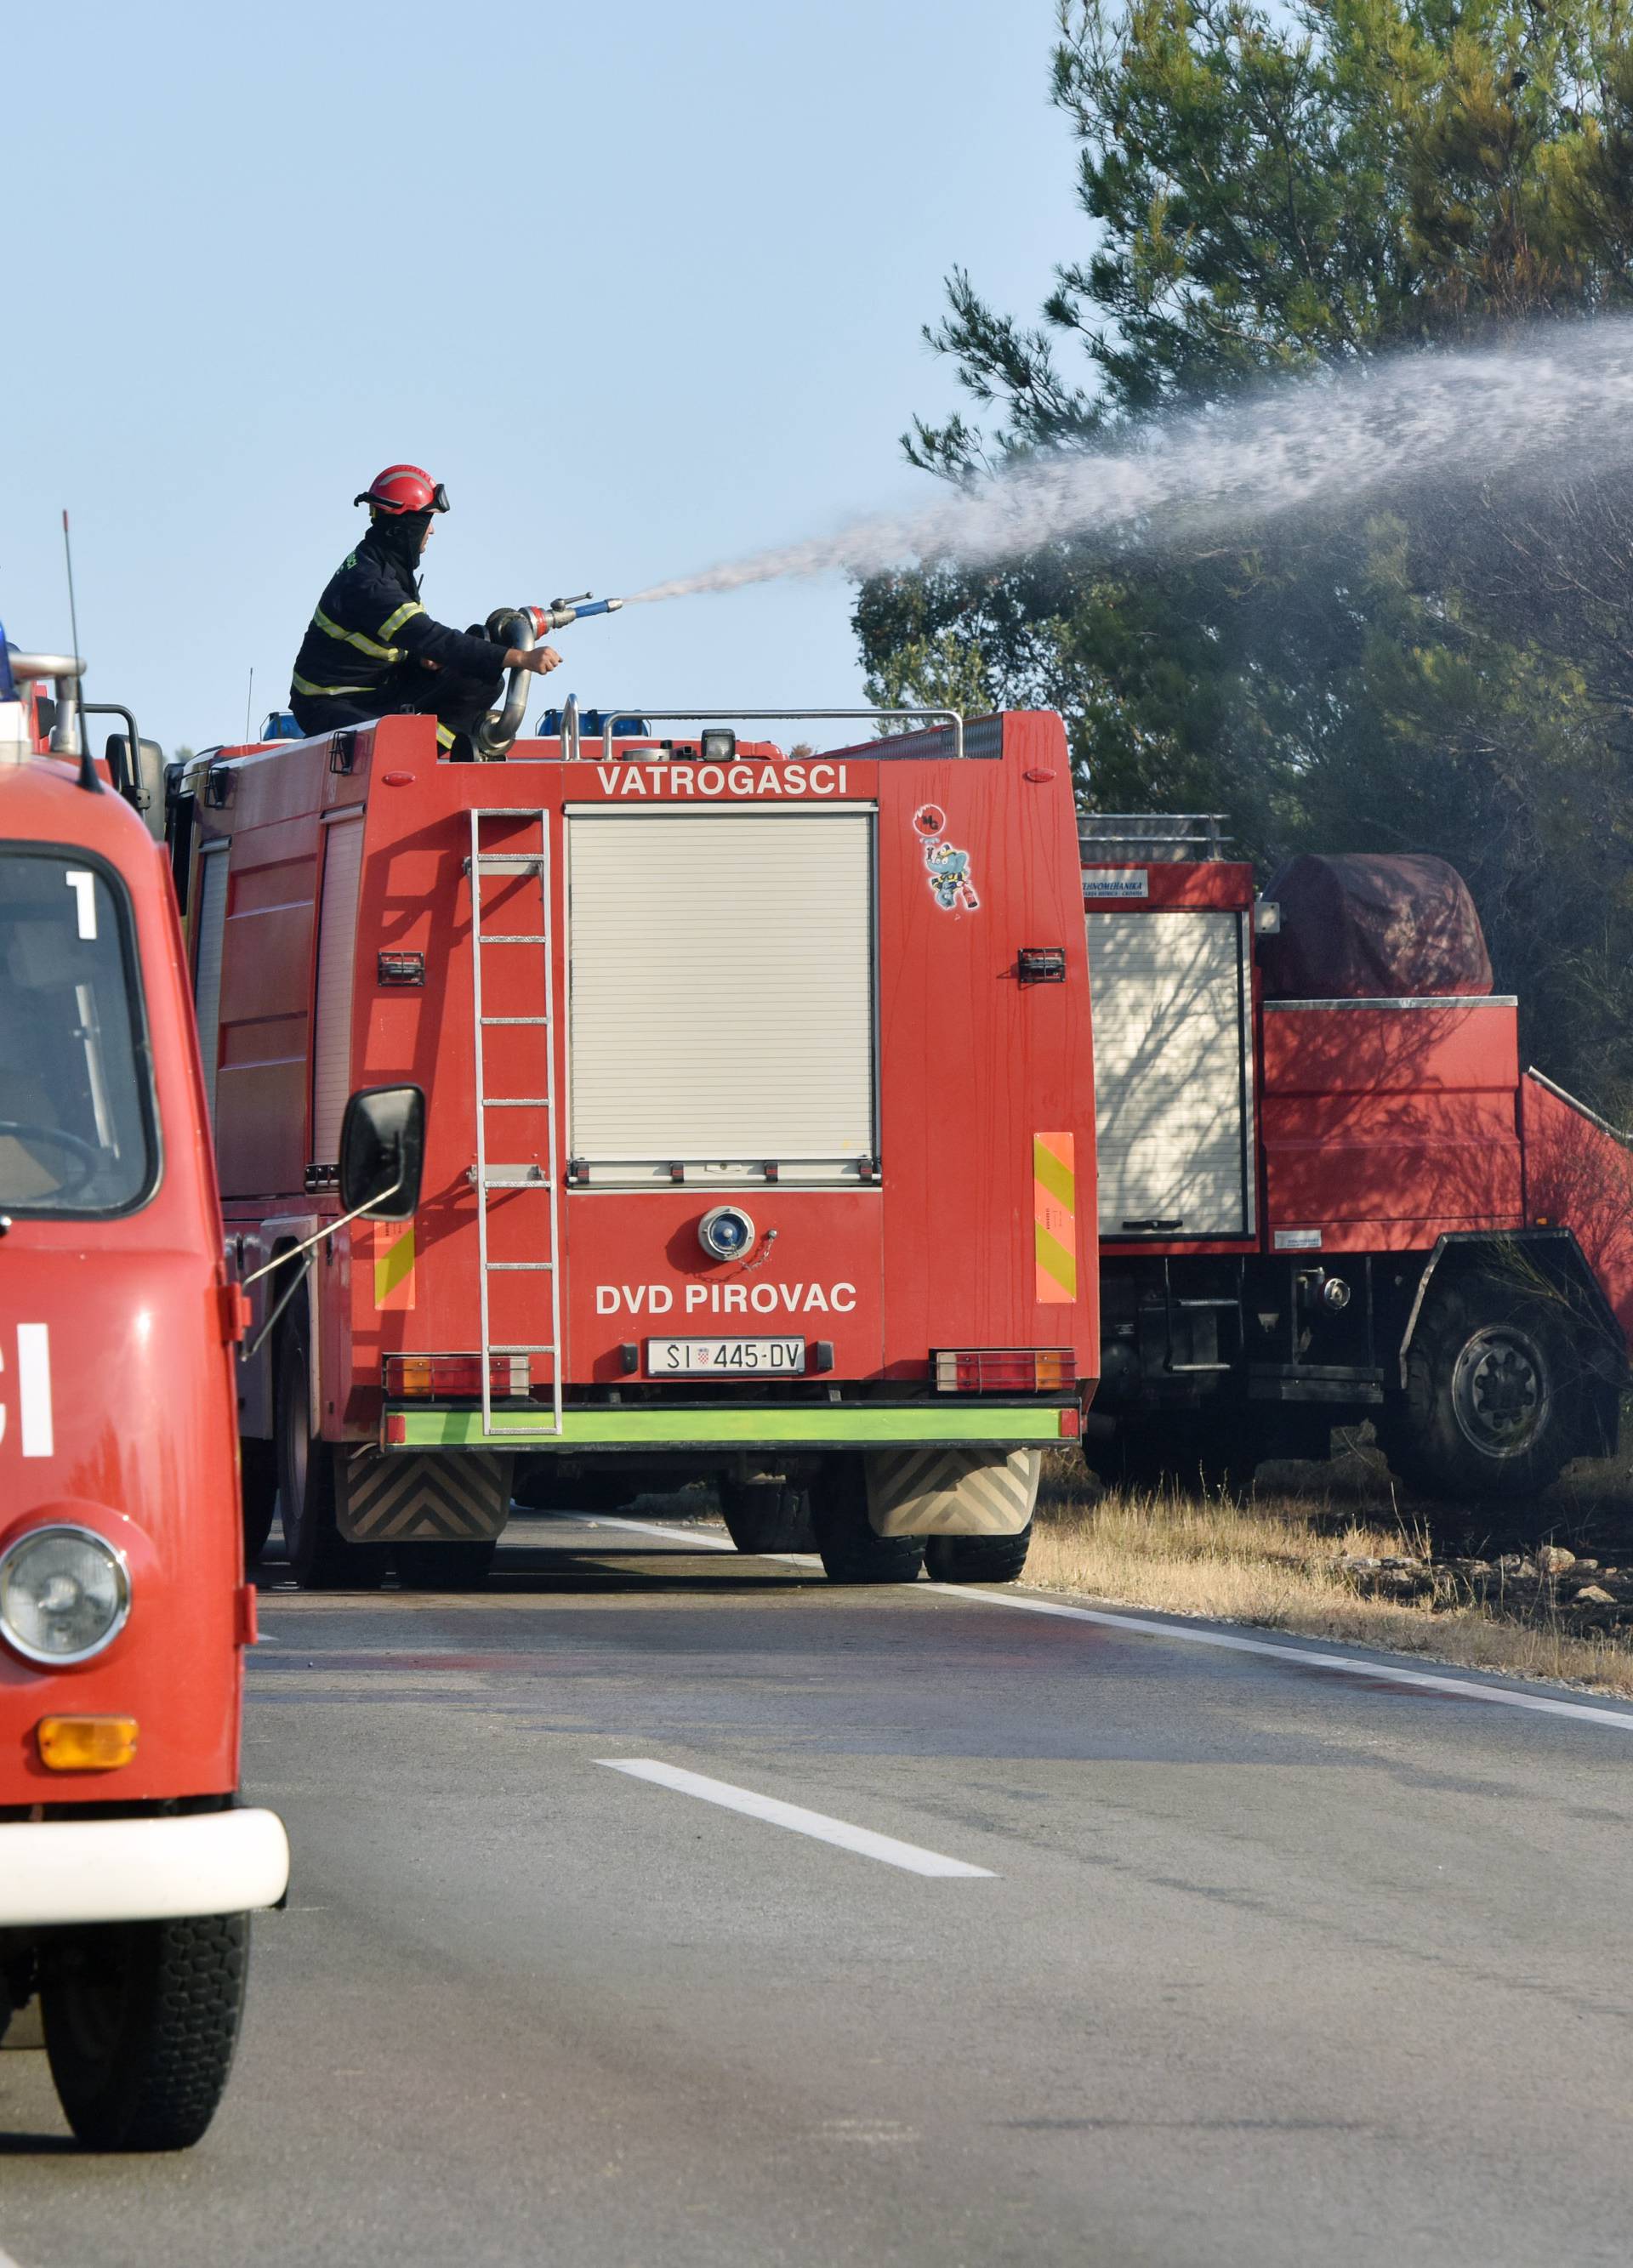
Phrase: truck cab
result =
(128, 1868)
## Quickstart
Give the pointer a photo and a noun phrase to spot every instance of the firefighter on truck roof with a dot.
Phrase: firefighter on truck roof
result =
(372, 651)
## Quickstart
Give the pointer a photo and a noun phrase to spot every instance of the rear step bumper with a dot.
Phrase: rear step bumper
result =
(863, 1425)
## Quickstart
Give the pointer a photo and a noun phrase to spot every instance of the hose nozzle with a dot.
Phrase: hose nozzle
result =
(560, 611)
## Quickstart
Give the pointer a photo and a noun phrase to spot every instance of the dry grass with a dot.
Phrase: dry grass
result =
(1277, 1562)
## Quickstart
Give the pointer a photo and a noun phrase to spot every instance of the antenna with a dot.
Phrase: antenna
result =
(76, 684)
(68, 554)
(249, 703)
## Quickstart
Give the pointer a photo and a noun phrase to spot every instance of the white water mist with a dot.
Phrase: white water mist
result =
(1558, 405)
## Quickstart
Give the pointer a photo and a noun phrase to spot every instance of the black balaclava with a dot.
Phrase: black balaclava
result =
(400, 537)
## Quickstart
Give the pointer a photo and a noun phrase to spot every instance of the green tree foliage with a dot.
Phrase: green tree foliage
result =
(1272, 194)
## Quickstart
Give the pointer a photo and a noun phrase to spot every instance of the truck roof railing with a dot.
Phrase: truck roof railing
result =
(1151, 837)
(647, 713)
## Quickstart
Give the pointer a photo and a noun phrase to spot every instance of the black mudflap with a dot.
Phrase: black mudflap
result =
(451, 1496)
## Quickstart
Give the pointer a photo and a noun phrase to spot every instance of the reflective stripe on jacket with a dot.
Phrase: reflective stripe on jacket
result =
(368, 619)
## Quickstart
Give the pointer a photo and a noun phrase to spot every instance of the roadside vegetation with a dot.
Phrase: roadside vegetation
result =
(1336, 1552)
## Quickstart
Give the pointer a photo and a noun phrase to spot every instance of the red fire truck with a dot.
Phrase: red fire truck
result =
(757, 1104)
(1315, 1210)
(127, 1868)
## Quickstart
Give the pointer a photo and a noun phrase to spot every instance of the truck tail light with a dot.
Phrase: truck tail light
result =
(429, 1377)
(1005, 1370)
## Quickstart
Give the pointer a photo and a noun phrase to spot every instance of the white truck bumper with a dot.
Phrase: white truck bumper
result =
(63, 1871)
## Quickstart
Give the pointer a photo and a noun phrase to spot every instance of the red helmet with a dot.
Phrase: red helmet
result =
(404, 487)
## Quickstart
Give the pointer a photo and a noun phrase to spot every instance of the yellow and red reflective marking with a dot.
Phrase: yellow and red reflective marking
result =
(393, 1264)
(1055, 1212)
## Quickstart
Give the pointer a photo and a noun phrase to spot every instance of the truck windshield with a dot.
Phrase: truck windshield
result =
(76, 1097)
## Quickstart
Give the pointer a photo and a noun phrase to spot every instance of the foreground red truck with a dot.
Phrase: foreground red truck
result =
(128, 1868)
(758, 1133)
(1328, 1192)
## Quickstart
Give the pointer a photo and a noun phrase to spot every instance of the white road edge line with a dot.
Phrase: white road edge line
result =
(862, 1840)
(673, 1533)
(1462, 1689)
(1351, 1665)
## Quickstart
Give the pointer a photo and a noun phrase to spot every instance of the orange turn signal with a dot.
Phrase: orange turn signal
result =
(86, 1743)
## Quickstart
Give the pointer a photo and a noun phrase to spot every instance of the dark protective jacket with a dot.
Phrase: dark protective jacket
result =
(370, 624)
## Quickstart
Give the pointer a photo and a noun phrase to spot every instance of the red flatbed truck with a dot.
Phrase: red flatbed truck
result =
(1317, 1210)
(759, 1131)
(128, 1869)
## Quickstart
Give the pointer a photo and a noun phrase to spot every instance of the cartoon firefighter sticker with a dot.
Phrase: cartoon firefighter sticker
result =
(951, 884)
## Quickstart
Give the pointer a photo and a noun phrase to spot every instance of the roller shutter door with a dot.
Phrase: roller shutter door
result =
(331, 1039)
(721, 986)
(211, 926)
(1171, 1054)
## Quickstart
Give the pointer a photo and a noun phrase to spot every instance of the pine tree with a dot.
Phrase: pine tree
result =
(1282, 194)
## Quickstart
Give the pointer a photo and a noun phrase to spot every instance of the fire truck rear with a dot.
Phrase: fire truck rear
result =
(1326, 1192)
(757, 1132)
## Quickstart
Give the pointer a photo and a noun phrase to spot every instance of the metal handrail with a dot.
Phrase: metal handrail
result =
(1622, 1134)
(1103, 831)
(1182, 827)
(952, 717)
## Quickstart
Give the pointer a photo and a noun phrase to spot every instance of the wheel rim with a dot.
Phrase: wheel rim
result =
(1502, 1395)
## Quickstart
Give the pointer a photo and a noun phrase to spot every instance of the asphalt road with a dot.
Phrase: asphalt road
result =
(1250, 1961)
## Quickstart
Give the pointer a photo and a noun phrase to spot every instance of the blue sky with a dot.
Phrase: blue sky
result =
(641, 284)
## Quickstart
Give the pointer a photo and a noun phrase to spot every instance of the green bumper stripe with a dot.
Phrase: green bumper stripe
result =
(866, 1426)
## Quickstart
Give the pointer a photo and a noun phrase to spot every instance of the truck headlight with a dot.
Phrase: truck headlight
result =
(64, 1594)
(727, 1233)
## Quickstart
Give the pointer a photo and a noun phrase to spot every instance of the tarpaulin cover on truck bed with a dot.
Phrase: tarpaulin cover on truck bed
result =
(1373, 928)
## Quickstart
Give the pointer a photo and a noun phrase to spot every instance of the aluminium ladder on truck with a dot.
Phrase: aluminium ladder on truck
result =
(526, 1177)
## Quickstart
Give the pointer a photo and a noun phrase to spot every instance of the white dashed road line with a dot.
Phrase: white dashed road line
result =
(862, 1840)
(1462, 1689)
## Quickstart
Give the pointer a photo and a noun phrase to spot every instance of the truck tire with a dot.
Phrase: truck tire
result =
(851, 1552)
(976, 1559)
(140, 2020)
(1493, 1399)
(318, 1558)
(444, 1567)
(258, 1467)
(763, 1516)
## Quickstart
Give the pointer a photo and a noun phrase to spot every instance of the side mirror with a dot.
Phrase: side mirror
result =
(142, 783)
(382, 1152)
